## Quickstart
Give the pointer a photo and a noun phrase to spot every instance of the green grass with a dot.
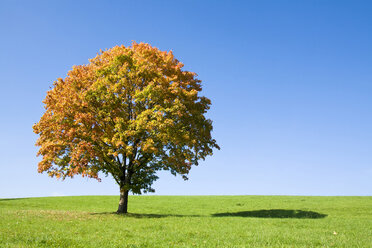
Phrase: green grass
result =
(187, 221)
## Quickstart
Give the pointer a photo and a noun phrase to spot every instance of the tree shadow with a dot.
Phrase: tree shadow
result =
(264, 213)
(140, 216)
(12, 199)
(274, 213)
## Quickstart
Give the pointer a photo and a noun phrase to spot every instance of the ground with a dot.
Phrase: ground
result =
(187, 221)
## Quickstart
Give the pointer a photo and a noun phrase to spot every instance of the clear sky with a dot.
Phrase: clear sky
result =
(290, 84)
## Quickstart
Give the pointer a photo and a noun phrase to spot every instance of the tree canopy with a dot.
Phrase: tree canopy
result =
(129, 112)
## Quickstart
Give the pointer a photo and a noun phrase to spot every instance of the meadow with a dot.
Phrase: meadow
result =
(187, 221)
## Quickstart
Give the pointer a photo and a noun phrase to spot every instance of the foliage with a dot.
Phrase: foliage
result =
(130, 112)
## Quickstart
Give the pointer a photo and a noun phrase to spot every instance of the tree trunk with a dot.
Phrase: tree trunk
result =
(123, 203)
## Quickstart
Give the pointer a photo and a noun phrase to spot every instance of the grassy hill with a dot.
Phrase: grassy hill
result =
(187, 221)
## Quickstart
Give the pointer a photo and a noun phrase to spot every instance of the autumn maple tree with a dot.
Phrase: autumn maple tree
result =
(129, 112)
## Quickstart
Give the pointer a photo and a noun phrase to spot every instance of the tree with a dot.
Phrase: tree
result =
(129, 112)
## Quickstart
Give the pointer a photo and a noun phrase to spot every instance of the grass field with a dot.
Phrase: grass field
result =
(187, 221)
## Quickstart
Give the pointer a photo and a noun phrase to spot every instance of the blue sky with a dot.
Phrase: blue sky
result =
(290, 84)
